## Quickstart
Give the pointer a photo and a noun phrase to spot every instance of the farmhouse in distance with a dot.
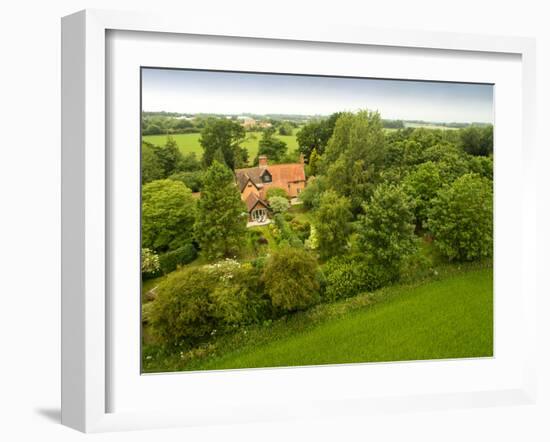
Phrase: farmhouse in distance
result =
(253, 183)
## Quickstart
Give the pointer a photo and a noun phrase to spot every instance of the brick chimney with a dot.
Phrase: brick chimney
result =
(262, 161)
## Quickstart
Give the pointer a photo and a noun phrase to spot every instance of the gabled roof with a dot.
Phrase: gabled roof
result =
(281, 175)
(252, 201)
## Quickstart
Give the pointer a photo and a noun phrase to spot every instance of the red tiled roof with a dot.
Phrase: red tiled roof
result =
(281, 175)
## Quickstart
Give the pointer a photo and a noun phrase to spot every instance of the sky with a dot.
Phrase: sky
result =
(231, 93)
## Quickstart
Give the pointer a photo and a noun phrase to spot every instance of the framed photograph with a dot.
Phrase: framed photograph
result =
(251, 215)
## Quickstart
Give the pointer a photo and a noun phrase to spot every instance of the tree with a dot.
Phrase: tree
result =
(151, 167)
(286, 129)
(271, 146)
(279, 204)
(193, 180)
(169, 157)
(422, 184)
(386, 230)
(221, 221)
(461, 219)
(355, 156)
(167, 215)
(291, 279)
(313, 164)
(315, 135)
(477, 140)
(332, 224)
(223, 135)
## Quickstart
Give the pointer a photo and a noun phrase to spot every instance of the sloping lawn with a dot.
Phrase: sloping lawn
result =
(448, 318)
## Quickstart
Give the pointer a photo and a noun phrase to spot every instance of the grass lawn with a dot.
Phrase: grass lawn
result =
(190, 142)
(448, 318)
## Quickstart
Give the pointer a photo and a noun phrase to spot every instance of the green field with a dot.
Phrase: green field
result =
(190, 142)
(448, 318)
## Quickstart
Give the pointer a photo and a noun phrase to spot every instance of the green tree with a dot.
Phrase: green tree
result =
(332, 224)
(477, 140)
(355, 156)
(169, 157)
(291, 279)
(286, 129)
(461, 219)
(167, 215)
(221, 221)
(386, 231)
(271, 146)
(151, 167)
(193, 180)
(422, 184)
(313, 164)
(315, 135)
(223, 135)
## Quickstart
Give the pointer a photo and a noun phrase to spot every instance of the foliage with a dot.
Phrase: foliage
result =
(350, 275)
(451, 161)
(221, 219)
(167, 215)
(169, 157)
(170, 261)
(386, 231)
(151, 167)
(189, 163)
(275, 191)
(477, 140)
(279, 204)
(182, 307)
(271, 146)
(332, 224)
(313, 164)
(422, 184)
(315, 135)
(286, 129)
(150, 263)
(355, 156)
(311, 195)
(193, 180)
(313, 241)
(461, 219)
(195, 302)
(222, 137)
(291, 279)
(481, 165)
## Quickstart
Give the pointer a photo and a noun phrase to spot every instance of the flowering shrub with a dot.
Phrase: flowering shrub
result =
(150, 263)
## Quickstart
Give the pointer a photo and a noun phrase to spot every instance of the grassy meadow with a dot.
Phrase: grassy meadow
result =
(448, 317)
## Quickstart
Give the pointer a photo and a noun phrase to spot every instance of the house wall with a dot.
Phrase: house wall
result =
(294, 187)
(249, 189)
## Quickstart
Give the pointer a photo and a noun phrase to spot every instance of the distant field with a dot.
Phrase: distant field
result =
(449, 318)
(429, 126)
(190, 142)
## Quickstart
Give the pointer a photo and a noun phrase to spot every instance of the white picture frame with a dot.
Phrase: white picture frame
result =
(86, 205)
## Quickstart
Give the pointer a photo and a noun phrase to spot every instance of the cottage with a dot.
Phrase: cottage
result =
(253, 183)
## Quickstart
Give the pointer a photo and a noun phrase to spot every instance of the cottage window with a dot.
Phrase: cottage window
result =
(266, 178)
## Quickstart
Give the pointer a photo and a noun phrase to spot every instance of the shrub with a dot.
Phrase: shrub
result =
(150, 264)
(279, 204)
(194, 303)
(275, 191)
(301, 228)
(238, 297)
(182, 308)
(291, 280)
(348, 276)
(170, 261)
